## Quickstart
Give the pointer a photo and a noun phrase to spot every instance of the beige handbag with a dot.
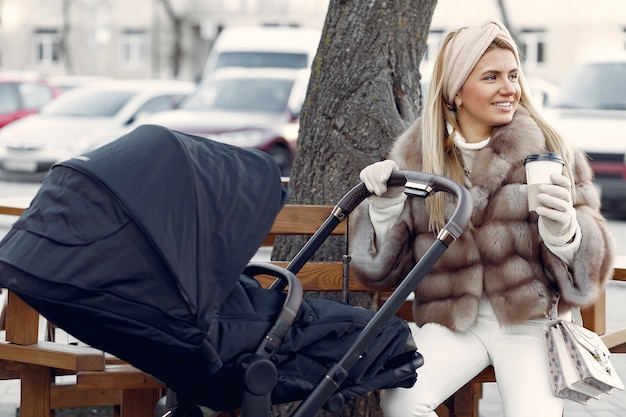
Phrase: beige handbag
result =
(580, 368)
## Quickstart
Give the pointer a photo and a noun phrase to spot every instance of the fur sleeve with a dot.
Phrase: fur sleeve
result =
(592, 267)
(386, 266)
(382, 267)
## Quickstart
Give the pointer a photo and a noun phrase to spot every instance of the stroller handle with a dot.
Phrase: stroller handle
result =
(421, 184)
(291, 305)
(416, 183)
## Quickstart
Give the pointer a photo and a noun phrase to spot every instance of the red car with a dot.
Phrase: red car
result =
(247, 107)
(22, 94)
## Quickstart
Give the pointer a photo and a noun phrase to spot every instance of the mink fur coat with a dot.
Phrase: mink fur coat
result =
(501, 255)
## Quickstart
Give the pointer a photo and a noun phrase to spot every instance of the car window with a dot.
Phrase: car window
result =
(8, 98)
(298, 94)
(157, 104)
(160, 103)
(268, 95)
(91, 103)
(262, 60)
(35, 96)
(599, 86)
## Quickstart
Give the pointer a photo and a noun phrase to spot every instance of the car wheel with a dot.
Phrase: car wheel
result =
(282, 156)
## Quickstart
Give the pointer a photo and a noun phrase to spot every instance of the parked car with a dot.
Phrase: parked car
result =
(542, 91)
(590, 110)
(22, 94)
(251, 108)
(81, 120)
(65, 83)
(263, 47)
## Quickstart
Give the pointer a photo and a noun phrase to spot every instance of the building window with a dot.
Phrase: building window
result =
(433, 44)
(533, 47)
(134, 48)
(46, 44)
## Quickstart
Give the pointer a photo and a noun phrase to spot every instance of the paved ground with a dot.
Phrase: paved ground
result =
(608, 406)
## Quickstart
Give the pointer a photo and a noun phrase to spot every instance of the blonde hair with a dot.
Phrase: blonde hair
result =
(443, 156)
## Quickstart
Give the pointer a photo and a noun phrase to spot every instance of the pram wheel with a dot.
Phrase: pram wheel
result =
(162, 409)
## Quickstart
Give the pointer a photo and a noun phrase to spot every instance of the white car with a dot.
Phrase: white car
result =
(589, 109)
(81, 120)
(263, 47)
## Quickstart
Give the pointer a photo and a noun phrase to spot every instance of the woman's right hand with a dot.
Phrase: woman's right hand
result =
(375, 177)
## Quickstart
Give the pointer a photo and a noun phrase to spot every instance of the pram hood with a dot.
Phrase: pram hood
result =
(204, 206)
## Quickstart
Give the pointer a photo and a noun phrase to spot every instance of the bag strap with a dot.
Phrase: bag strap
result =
(554, 307)
(577, 317)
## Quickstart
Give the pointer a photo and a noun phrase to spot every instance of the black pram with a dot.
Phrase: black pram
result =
(140, 248)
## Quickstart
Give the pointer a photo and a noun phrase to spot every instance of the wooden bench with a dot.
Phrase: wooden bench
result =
(139, 392)
(37, 362)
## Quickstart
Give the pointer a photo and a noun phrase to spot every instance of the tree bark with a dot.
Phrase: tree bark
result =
(363, 92)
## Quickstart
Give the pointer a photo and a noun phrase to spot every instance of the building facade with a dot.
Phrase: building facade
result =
(136, 38)
(553, 35)
(131, 38)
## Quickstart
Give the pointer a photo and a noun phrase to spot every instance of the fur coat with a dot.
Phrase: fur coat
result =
(501, 255)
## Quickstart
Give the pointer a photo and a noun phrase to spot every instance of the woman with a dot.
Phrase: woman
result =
(485, 301)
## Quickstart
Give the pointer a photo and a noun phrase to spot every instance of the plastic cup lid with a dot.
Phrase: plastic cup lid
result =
(548, 156)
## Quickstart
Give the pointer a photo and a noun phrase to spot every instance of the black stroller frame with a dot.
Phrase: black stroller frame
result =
(260, 375)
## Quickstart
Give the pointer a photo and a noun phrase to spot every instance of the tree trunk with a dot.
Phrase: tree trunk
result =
(64, 47)
(176, 54)
(364, 91)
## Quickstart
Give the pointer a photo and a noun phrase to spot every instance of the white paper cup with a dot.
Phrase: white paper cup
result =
(538, 171)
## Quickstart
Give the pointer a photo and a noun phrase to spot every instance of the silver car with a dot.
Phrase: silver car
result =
(590, 110)
(81, 120)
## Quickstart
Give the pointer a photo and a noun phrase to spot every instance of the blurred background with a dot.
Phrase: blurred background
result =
(574, 54)
(172, 38)
(75, 74)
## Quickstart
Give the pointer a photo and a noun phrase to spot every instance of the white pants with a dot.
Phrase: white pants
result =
(451, 359)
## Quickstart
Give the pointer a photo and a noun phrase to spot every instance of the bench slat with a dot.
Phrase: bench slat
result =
(69, 396)
(318, 276)
(11, 210)
(619, 273)
(54, 355)
(117, 376)
(615, 341)
(303, 220)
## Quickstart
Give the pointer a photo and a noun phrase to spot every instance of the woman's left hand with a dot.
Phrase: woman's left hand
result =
(557, 216)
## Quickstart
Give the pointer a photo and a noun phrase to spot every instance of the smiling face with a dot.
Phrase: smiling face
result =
(489, 96)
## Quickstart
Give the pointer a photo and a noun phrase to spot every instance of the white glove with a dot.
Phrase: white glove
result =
(375, 177)
(557, 217)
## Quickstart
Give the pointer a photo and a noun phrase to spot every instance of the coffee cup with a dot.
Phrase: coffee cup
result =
(538, 171)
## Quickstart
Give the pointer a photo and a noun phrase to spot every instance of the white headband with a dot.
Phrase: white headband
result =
(465, 50)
